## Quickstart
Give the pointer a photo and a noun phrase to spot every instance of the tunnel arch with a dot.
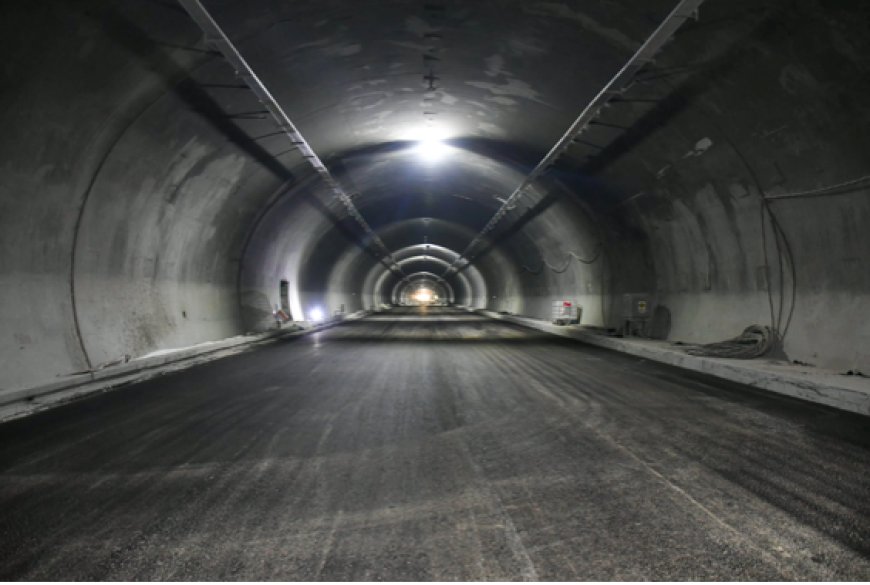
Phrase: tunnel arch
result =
(471, 286)
(453, 225)
(153, 205)
(399, 295)
(415, 265)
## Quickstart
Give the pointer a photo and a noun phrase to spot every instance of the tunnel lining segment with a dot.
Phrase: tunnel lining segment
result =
(684, 10)
(423, 276)
(217, 38)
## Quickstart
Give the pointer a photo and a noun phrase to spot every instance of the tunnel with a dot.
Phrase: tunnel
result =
(435, 290)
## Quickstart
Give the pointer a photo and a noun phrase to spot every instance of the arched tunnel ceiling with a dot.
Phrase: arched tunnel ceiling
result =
(453, 71)
(149, 201)
(436, 290)
(490, 151)
(354, 74)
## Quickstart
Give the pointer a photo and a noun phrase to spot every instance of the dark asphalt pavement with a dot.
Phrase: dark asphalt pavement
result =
(440, 446)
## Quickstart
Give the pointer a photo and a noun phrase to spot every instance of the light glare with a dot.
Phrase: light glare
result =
(432, 150)
(423, 295)
(316, 314)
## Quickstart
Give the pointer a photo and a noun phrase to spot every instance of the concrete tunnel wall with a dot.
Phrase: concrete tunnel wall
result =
(774, 105)
(119, 229)
(137, 214)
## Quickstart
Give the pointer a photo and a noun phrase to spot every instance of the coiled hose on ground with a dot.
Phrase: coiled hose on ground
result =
(755, 341)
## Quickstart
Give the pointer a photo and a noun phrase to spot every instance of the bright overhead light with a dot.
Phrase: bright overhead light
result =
(432, 149)
(316, 314)
(429, 142)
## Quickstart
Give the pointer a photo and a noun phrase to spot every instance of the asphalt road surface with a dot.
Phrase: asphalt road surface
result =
(435, 445)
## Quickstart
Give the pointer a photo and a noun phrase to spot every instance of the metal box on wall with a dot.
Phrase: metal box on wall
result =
(636, 306)
(637, 310)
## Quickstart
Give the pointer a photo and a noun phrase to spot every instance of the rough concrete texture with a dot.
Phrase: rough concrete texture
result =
(148, 203)
(478, 451)
(840, 390)
(26, 401)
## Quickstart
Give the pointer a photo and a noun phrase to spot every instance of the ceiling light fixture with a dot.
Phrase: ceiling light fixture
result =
(432, 150)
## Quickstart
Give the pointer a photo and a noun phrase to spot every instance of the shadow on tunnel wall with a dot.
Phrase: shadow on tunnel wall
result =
(255, 310)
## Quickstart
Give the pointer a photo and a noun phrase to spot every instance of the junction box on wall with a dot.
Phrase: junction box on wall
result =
(637, 310)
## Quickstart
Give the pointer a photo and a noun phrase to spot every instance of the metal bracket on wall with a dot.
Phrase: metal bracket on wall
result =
(685, 10)
(215, 37)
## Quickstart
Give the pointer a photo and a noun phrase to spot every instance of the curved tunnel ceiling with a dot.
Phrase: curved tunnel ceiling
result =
(468, 67)
(149, 201)
(438, 290)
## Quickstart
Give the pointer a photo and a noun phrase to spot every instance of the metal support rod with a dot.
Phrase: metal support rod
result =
(589, 144)
(215, 37)
(684, 10)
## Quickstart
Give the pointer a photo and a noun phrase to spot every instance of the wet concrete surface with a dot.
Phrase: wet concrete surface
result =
(435, 444)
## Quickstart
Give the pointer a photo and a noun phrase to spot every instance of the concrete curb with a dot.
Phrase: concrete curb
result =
(24, 401)
(851, 393)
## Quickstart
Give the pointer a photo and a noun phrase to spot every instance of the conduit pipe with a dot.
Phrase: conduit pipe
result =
(684, 10)
(216, 38)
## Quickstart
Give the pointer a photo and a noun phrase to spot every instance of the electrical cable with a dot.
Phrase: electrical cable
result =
(571, 254)
(558, 270)
(784, 251)
(755, 341)
(828, 190)
(789, 257)
(595, 256)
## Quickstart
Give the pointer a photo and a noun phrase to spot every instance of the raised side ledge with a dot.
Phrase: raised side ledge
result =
(25, 401)
(851, 393)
